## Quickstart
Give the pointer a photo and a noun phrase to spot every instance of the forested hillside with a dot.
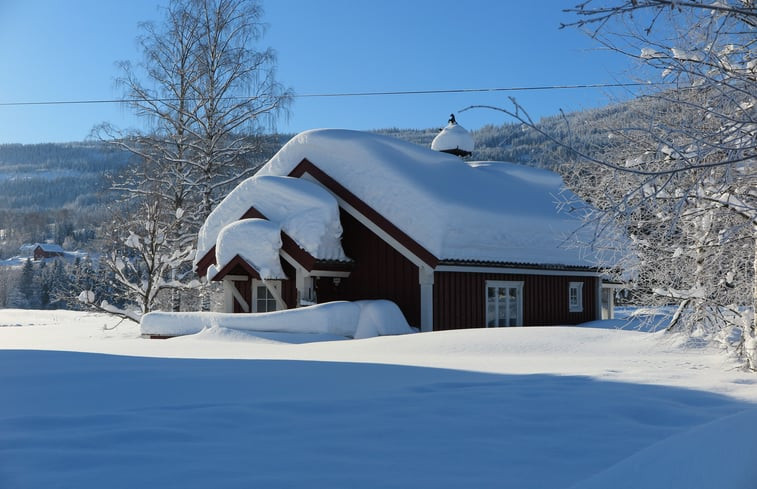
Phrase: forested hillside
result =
(53, 192)
(59, 192)
(45, 176)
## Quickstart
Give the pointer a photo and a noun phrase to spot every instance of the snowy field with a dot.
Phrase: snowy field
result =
(575, 407)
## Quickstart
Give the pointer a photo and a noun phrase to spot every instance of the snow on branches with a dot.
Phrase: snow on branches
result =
(681, 173)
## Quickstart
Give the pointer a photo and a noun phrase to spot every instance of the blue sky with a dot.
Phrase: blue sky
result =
(55, 50)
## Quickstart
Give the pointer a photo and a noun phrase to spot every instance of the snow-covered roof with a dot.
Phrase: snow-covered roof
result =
(46, 247)
(453, 137)
(51, 248)
(305, 211)
(483, 211)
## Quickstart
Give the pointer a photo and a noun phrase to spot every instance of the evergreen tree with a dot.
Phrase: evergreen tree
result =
(25, 298)
(42, 285)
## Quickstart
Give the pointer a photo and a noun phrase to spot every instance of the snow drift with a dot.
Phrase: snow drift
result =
(362, 319)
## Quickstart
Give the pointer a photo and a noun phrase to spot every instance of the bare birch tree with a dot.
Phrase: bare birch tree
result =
(205, 91)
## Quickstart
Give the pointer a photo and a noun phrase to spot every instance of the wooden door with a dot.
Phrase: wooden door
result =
(243, 298)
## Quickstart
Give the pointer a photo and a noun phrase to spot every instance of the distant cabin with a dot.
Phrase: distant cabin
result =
(39, 251)
(345, 215)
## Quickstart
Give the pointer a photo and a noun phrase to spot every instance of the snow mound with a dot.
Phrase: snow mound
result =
(379, 318)
(489, 212)
(261, 253)
(553, 407)
(716, 454)
(453, 136)
(305, 211)
(361, 319)
(221, 334)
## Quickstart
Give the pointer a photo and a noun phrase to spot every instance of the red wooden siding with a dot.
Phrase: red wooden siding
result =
(460, 302)
(380, 272)
(289, 287)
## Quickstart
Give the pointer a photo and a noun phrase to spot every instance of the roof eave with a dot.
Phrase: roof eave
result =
(472, 263)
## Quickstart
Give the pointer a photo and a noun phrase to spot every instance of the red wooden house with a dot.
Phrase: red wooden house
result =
(454, 244)
(40, 251)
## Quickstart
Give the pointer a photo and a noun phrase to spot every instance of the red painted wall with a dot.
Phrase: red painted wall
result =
(289, 287)
(460, 302)
(380, 272)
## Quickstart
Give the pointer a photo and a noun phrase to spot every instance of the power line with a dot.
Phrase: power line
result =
(348, 94)
(472, 90)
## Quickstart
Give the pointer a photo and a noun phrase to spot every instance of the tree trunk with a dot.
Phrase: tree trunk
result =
(754, 283)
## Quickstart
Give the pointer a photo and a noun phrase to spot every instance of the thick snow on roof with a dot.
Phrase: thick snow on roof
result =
(488, 211)
(261, 253)
(454, 136)
(48, 247)
(51, 248)
(305, 211)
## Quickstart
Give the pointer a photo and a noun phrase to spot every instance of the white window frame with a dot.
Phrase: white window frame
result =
(518, 285)
(576, 305)
(259, 283)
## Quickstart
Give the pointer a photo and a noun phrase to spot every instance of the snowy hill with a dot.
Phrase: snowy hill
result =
(89, 407)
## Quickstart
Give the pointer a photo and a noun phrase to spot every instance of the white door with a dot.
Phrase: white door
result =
(504, 304)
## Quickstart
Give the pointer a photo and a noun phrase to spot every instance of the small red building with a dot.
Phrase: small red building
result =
(454, 244)
(40, 251)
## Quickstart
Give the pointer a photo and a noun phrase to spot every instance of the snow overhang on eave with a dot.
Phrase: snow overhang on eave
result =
(302, 259)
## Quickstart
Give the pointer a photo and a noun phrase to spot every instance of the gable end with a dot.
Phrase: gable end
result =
(381, 222)
(234, 263)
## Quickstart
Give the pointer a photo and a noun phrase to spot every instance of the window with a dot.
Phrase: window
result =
(504, 303)
(263, 300)
(575, 297)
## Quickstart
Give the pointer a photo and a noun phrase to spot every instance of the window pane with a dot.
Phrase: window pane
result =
(513, 307)
(491, 307)
(502, 307)
(575, 296)
(503, 304)
(264, 300)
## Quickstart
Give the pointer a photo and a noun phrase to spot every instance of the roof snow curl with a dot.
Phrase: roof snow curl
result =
(305, 211)
(261, 253)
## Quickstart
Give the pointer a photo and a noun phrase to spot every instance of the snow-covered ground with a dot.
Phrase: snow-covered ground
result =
(560, 407)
